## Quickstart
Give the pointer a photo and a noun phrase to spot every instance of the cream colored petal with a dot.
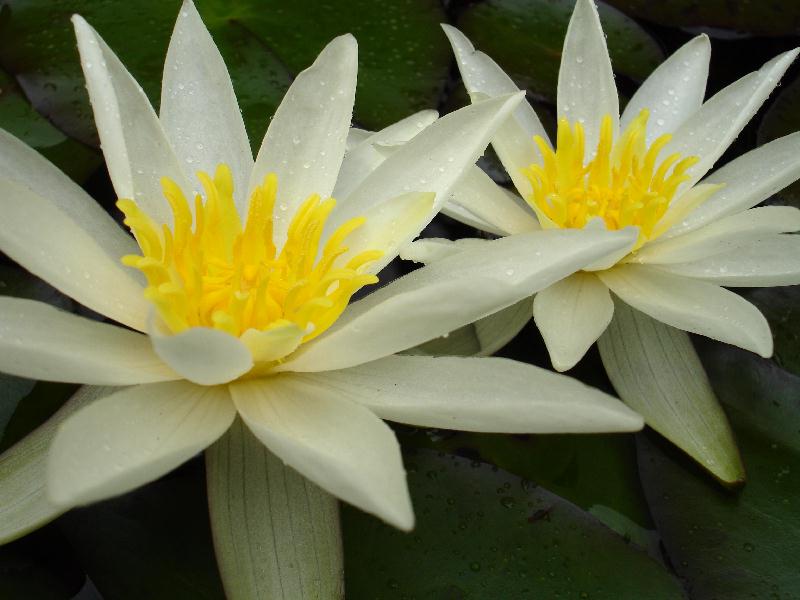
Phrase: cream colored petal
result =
(674, 91)
(445, 295)
(769, 261)
(337, 444)
(747, 180)
(691, 305)
(22, 164)
(135, 146)
(710, 130)
(202, 355)
(369, 152)
(586, 88)
(483, 79)
(51, 245)
(305, 141)
(727, 234)
(683, 205)
(571, 314)
(199, 110)
(274, 343)
(462, 215)
(429, 250)
(475, 394)
(609, 260)
(482, 197)
(38, 341)
(133, 437)
(355, 137)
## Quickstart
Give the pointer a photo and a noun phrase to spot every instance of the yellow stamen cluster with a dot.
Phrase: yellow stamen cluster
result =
(624, 184)
(233, 278)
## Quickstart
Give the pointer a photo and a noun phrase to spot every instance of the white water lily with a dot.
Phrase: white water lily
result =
(238, 301)
(643, 169)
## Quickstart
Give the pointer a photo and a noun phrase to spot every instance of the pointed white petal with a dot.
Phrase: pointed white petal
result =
(445, 295)
(305, 141)
(133, 437)
(462, 215)
(39, 341)
(273, 344)
(429, 250)
(22, 164)
(725, 235)
(674, 91)
(609, 260)
(586, 88)
(337, 444)
(571, 314)
(199, 110)
(356, 137)
(476, 394)
(747, 180)
(483, 78)
(135, 146)
(203, 355)
(772, 260)
(691, 305)
(47, 242)
(710, 130)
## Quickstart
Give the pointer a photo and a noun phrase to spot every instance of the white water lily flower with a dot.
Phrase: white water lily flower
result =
(643, 169)
(236, 298)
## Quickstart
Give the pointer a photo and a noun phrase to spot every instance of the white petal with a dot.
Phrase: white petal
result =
(432, 161)
(462, 215)
(135, 146)
(731, 232)
(586, 88)
(483, 78)
(356, 137)
(199, 110)
(305, 141)
(429, 250)
(337, 444)
(710, 130)
(476, 394)
(772, 260)
(691, 305)
(22, 164)
(445, 295)
(674, 91)
(133, 437)
(273, 344)
(609, 260)
(482, 197)
(362, 159)
(47, 242)
(203, 355)
(747, 180)
(571, 314)
(39, 341)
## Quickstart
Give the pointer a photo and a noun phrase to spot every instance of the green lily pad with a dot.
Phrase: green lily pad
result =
(740, 544)
(781, 307)
(484, 533)
(525, 37)
(783, 118)
(777, 17)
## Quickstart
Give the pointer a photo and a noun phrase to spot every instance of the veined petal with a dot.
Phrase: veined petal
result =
(475, 394)
(725, 235)
(482, 197)
(586, 88)
(22, 164)
(337, 444)
(135, 146)
(769, 261)
(432, 161)
(691, 305)
(199, 110)
(674, 91)
(710, 130)
(445, 295)
(51, 245)
(365, 156)
(571, 314)
(483, 79)
(747, 180)
(305, 141)
(203, 355)
(39, 341)
(132, 437)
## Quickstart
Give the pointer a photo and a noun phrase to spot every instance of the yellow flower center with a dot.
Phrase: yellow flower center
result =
(624, 184)
(233, 278)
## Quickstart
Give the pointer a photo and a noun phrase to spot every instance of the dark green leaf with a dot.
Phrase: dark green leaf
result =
(783, 118)
(781, 306)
